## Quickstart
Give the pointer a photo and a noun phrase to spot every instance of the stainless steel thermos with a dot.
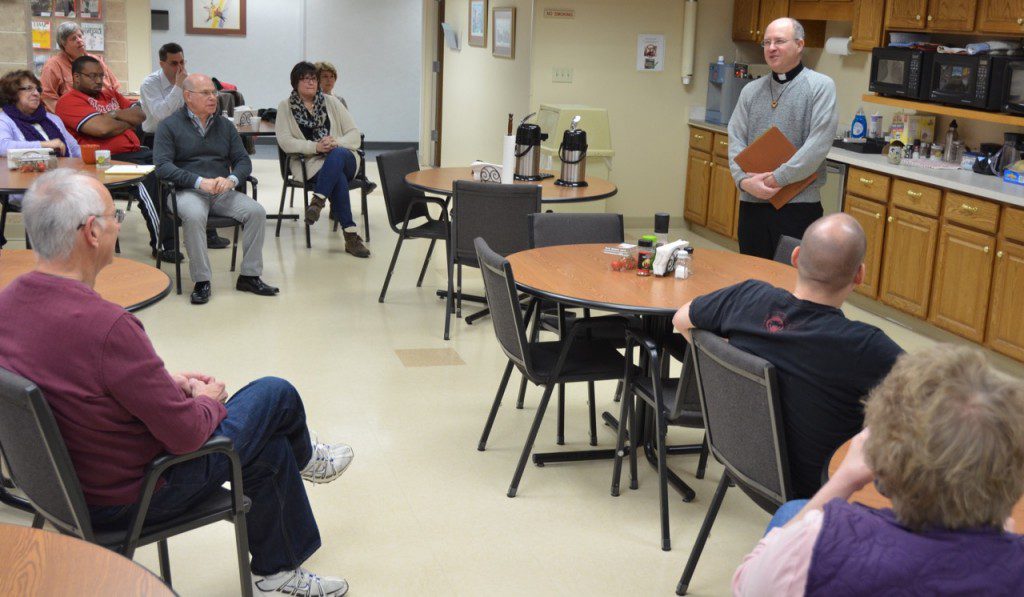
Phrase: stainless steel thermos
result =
(573, 153)
(528, 138)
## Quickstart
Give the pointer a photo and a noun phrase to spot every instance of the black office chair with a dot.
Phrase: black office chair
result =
(575, 358)
(41, 467)
(359, 181)
(403, 204)
(495, 212)
(673, 401)
(745, 432)
(212, 222)
(784, 250)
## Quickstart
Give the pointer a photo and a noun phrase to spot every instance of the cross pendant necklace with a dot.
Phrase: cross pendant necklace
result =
(771, 93)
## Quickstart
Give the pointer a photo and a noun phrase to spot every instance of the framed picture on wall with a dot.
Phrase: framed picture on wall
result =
(215, 17)
(478, 23)
(42, 8)
(503, 28)
(90, 9)
(94, 37)
(65, 8)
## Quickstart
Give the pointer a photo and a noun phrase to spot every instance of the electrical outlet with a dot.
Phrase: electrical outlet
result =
(561, 74)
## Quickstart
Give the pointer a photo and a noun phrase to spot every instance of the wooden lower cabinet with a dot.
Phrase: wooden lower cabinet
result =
(907, 262)
(1005, 316)
(871, 217)
(721, 200)
(698, 179)
(963, 276)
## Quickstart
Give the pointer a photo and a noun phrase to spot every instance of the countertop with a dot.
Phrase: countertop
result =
(962, 181)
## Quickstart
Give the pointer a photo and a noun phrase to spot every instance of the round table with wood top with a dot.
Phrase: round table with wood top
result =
(441, 181)
(124, 282)
(13, 181)
(869, 496)
(38, 562)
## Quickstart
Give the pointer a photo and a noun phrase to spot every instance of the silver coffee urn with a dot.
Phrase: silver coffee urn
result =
(528, 138)
(573, 153)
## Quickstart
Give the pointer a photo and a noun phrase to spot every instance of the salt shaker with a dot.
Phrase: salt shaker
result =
(684, 263)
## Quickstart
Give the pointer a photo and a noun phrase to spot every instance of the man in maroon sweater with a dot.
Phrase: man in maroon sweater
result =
(117, 407)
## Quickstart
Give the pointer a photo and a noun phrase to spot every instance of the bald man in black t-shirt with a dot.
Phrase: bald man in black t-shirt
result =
(825, 363)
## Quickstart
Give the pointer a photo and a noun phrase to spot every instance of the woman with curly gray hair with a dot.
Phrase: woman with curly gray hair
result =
(944, 440)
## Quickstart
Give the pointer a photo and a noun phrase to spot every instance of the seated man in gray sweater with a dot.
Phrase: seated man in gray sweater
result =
(203, 156)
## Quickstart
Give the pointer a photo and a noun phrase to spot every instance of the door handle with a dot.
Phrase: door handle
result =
(878, 216)
(699, 137)
(915, 194)
(969, 208)
(889, 219)
(725, 143)
(867, 181)
(999, 254)
(985, 249)
(917, 17)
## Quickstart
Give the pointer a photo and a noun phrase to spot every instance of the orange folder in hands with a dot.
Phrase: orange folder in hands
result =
(765, 154)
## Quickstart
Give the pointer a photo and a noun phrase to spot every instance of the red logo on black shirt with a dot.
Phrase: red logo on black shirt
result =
(775, 322)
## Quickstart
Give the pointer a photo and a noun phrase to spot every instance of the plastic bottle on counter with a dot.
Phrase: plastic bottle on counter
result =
(645, 255)
(661, 228)
(859, 128)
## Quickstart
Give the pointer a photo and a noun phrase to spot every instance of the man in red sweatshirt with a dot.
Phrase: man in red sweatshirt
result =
(117, 407)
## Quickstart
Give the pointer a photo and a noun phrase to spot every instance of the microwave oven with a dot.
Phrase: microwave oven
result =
(901, 72)
(980, 81)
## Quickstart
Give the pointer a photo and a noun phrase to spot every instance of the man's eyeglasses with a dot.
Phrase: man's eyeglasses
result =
(117, 215)
(776, 42)
(208, 93)
(30, 88)
(93, 76)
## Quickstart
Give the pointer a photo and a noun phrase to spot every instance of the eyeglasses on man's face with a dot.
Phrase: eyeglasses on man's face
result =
(774, 42)
(94, 76)
(118, 216)
(205, 92)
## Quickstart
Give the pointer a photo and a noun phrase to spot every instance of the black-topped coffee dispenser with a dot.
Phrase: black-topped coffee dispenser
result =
(528, 138)
(573, 153)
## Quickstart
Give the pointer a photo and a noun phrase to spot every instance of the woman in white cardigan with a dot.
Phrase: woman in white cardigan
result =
(319, 127)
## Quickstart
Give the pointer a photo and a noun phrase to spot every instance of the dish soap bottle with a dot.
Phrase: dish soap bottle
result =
(859, 128)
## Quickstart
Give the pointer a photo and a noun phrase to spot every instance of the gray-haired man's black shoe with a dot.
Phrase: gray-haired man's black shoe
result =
(201, 293)
(254, 285)
(169, 256)
(215, 241)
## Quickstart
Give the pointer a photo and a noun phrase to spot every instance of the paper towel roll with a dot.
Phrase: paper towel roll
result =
(508, 159)
(840, 46)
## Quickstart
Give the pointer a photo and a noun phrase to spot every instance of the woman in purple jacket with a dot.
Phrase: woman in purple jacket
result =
(944, 440)
(25, 123)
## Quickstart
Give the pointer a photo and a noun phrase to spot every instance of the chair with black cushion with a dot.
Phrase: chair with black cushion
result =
(574, 358)
(404, 204)
(495, 212)
(40, 466)
(743, 418)
(291, 181)
(784, 250)
(672, 401)
(212, 222)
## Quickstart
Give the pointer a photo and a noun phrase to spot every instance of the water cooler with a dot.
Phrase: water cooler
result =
(725, 81)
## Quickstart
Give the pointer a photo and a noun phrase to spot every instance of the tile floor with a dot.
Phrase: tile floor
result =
(421, 511)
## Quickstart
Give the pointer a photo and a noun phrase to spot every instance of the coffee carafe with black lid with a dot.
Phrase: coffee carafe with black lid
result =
(528, 138)
(573, 153)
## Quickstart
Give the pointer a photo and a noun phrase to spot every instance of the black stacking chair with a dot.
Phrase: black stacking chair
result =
(212, 221)
(784, 250)
(574, 358)
(745, 432)
(41, 467)
(403, 204)
(359, 181)
(495, 212)
(550, 229)
(672, 401)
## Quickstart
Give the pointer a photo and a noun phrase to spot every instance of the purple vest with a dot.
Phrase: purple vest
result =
(861, 551)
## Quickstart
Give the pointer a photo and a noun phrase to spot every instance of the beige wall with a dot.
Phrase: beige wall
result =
(481, 90)
(140, 54)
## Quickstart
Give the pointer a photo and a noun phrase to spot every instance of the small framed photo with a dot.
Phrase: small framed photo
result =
(42, 8)
(215, 17)
(503, 28)
(478, 23)
(65, 8)
(90, 9)
(94, 37)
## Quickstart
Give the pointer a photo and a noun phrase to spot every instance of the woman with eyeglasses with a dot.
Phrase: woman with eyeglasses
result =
(318, 126)
(25, 123)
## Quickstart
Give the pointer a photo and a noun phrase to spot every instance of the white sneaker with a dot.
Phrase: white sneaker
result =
(328, 462)
(299, 582)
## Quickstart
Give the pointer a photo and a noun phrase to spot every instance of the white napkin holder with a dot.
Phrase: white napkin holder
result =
(486, 172)
(665, 257)
(245, 116)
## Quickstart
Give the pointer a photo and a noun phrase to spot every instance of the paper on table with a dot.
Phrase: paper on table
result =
(508, 159)
(765, 154)
(126, 169)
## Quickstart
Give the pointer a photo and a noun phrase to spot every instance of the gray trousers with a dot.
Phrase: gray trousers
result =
(193, 208)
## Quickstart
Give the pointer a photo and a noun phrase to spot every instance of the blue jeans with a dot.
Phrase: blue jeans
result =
(332, 182)
(267, 423)
(785, 513)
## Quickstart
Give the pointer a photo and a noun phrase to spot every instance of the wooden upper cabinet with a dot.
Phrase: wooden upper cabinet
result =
(952, 15)
(1005, 317)
(769, 11)
(744, 20)
(963, 275)
(906, 14)
(698, 175)
(1001, 16)
(868, 16)
(907, 264)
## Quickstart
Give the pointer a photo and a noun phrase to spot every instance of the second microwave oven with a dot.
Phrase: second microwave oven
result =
(901, 72)
(979, 81)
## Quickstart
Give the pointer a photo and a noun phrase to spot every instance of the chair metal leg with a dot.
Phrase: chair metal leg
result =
(702, 463)
(280, 212)
(560, 437)
(661, 429)
(291, 198)
(366, 217)
(702, 536)
(620, 442)
(635, 441)
(426, 262)
(391, 268)
(494, 407)
(528, 447)
(165, 561)
(38, 521)
(449, 301)
(534, 333)
(234, 248)
(522, 394)
(618, 392)
(177, 262)
(458, 293)
(593, 413)
(242, 547)
(305, 207)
